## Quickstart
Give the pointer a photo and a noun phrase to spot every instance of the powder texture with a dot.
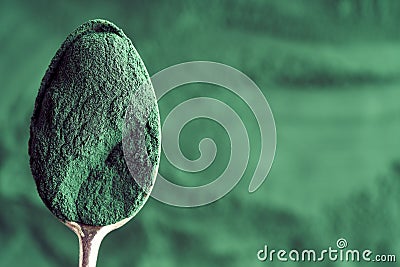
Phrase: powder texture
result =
(75, 145)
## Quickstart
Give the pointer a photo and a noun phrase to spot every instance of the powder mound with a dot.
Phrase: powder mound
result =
(76, 130)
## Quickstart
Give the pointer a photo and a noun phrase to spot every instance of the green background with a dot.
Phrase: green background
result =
(331, 73)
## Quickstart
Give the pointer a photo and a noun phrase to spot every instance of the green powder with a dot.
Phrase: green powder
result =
(75, 146)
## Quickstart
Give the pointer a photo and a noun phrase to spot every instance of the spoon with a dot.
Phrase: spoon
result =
(95, 126)
(90, 238)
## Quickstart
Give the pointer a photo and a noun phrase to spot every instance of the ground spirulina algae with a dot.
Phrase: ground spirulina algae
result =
(75, 143)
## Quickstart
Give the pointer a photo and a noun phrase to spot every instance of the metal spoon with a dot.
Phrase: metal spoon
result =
(90, 238)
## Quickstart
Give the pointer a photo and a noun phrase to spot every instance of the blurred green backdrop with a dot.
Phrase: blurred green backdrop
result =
(331, 73)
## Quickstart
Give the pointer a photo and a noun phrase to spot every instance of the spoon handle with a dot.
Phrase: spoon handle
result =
(90, 238)
(89, 245)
